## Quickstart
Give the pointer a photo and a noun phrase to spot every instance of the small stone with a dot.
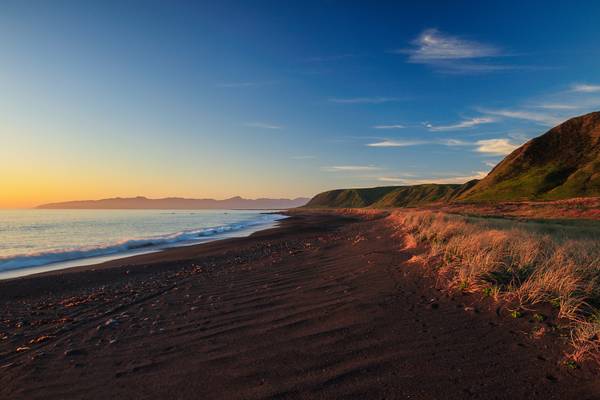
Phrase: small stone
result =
(111, 322)
(40, 339)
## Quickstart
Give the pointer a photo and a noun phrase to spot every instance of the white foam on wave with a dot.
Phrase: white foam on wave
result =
(157, 242)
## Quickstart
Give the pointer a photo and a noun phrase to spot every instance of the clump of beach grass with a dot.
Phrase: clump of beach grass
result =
(524, 263)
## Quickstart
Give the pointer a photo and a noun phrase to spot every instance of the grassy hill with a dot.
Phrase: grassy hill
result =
(561, 164)
(388, 196)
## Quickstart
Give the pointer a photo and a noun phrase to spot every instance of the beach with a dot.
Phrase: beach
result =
(327, 305)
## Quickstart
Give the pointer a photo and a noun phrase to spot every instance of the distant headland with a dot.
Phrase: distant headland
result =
(178, 203)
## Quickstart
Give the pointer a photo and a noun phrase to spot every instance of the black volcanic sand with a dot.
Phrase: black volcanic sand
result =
(323, 307)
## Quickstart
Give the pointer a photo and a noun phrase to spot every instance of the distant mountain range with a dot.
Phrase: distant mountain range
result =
(178, 203)
(563, 163)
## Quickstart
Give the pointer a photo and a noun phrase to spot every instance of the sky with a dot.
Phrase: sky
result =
(279, 99)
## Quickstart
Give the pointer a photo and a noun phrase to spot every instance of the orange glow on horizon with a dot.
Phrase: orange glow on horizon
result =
(29, 191)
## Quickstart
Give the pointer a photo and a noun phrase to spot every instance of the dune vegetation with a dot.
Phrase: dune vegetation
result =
(522, 263)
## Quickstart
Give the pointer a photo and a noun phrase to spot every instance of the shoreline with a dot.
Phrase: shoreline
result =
(19, 272)
(324, 306)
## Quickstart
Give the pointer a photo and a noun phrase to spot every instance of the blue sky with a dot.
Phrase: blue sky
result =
(270, 98)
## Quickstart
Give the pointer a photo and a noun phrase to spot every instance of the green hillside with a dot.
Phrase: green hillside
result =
(563, 163)
(349, 198)
(388, 196)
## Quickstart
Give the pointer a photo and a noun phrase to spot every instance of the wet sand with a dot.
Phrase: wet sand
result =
(325, 306)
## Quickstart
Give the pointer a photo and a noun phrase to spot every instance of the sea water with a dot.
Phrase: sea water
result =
(33, 241)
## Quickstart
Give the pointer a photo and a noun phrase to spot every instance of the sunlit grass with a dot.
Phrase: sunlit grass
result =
(525, 263)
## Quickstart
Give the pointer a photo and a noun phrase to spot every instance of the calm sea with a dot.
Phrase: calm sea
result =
(33, 241)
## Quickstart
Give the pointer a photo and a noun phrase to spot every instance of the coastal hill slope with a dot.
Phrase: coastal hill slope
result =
(178, 203)
(389, 196)
(563, 163)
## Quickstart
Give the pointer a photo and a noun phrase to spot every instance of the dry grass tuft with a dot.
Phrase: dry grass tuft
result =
(517, 262)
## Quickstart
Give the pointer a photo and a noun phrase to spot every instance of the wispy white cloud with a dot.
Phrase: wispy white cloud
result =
(498, 146)
(585, 88)
(570, 104)
(397, 126)
(262, 125)
(454, 54)
(421, 181)
(433, 45)
(351, 168)
(552, 109)
(495, 146)
(453, 142)
(397, 143)
(393, 179)
(556, 106)
(541, 118)
(467, 123)
(407, 143)
(363, 100)
(307, 157)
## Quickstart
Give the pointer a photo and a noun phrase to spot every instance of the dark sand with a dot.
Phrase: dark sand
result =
(323, 307)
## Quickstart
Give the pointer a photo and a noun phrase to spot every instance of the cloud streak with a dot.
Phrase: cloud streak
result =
(396, 143)
(453, 54)
(556, 106)
(465, 124)
(262, 125)
(500, 147)
(585, 88)
(407, 143)
(540, 118)
(497, 146)
(351, 168)
(422, 181)
(433, 46)
(397, 126)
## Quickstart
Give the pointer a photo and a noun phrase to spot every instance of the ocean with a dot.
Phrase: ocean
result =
(33, 241)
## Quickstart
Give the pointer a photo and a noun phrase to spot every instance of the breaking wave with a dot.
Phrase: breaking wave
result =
(150, 243)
